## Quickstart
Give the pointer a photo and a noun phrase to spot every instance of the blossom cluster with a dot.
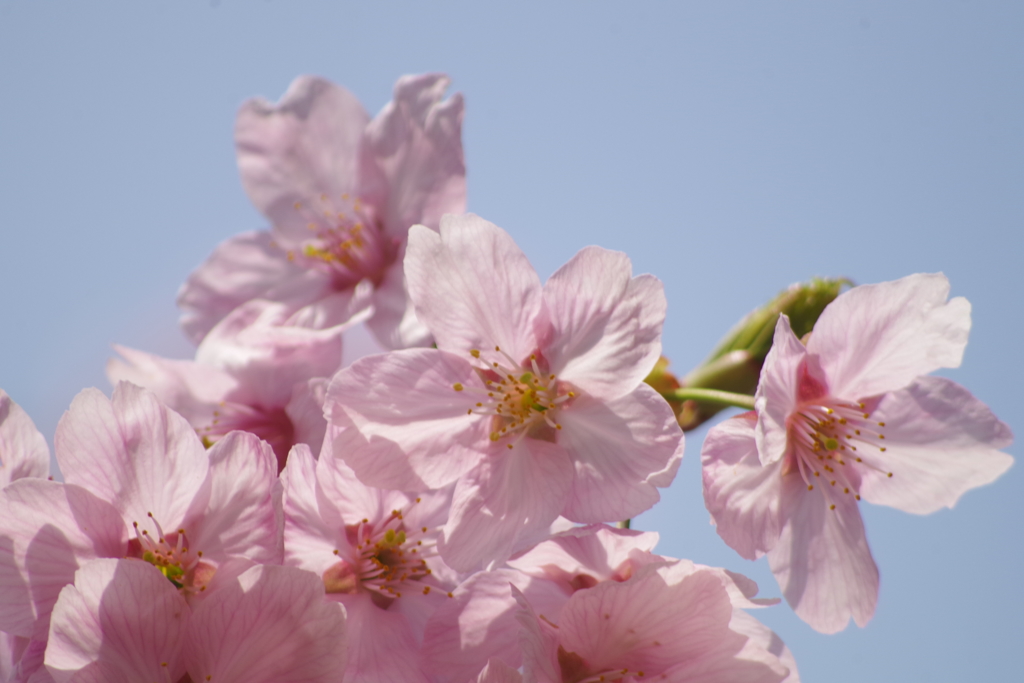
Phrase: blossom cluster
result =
(457, 507)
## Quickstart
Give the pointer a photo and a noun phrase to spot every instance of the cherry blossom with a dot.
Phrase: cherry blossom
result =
(533, 401)
(247, 376)
(341, 192)
(850, 416)
(138, 484)
(123, 621)
(23, 450)
(376, 552)
(670, 623)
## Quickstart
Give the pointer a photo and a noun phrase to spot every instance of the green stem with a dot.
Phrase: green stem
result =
(624, 524)
(727, 398)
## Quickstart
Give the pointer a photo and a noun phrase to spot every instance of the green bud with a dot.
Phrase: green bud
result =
(735, 364)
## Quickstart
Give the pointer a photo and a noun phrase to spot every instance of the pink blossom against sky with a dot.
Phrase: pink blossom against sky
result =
(728, 148)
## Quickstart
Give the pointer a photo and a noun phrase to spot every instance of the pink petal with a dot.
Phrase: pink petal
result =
(763, 645)
(133, 452)
(191, 389)
(940, 442)
(241, 268)
(404, 426)
(416, 142)
(473, 287)
(623, 451)
(122, 618)
(647, 625)
(778, 391)
(607, 324)
(742, 495)
(46, 530)
(539, 639)
(305, 410)
(23, 450)
(596, 551)
(309, 538)
(480, 622)
(304, 146)
(822, 561)
(272, 625)
(497, 671)
(505, 498)
(877, 338)
(237, 513)
(383, 647)
(394, 322)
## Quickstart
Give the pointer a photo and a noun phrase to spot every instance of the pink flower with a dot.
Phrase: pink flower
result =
(139, 484)
(849, 416)
(671, 623)
(124, 621)
(376, 554)
(341, 191)
(480, 623)
(258, 378)
(23, 450)
(533, 401)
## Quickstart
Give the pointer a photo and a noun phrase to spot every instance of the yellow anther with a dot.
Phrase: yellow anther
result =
(475, 353)
(457, 386)
(832, 507)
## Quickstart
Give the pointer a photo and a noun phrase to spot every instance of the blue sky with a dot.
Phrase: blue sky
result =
(730, 148)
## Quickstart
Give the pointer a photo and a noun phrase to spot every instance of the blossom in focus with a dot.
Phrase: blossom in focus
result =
(138, 484)
(123, 621)
(850, 416)
(257, 378)
(23, 450)
(670, 623)
(376, 553)
(533, 401)
(340, 191)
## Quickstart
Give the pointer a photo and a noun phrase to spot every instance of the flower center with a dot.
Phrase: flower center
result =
(387, 557)
(831, 441)
(522, 398)
(171, 554)
(346, 241)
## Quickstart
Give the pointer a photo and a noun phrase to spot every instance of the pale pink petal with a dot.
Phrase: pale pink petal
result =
(539, 641)
(473, 287)
(394, 322)
(480, 622)
(623, 451)
(606, 324)
(309, 532)
(305, 410)
(193, 390)
(46, 530)
(578, 556)
(382, 645)
(763, 644)
(272, 625)
(647, 625)
(133, 452)
(416, 142)
(304, 146)
(236, 513)
(507, 496)
(122, 618)
(877, 338)
(742, 495)
(404, 425)
(242, 267)
(778, 391)
(23, 450)
(940, 442)
(822, 561)
(21, 660)
(497, 671)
